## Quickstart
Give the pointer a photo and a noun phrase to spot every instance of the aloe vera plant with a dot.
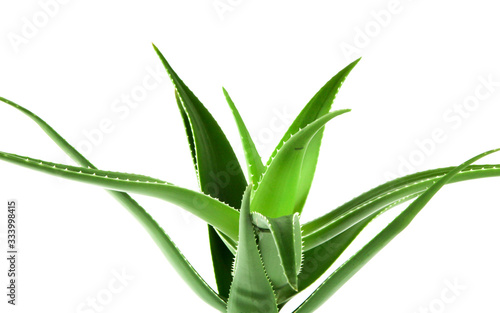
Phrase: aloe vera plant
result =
(259, 245)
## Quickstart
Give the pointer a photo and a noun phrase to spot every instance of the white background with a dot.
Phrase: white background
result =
(419, 61)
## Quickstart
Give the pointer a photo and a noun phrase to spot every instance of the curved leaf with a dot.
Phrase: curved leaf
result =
(222, 254)
(212, 211)
(220, 174)
(280, 244)
(338, 278)
(317, 107)
(276, 193)
(402, 189)
(162, 240)
(218, 169)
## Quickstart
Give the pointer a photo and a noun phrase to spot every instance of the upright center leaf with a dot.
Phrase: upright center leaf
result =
(276, 193)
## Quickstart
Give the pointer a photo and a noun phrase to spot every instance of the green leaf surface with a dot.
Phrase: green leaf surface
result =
(219, 173)
(277, 191)
(338, 278)
(254, 161)
(162, 240)
(189, 131)
(319, 259)
(218, 169)
(317, 107)
(370, 203)
(251, 290)
(222, 257)
(212, 211)
(280, 244)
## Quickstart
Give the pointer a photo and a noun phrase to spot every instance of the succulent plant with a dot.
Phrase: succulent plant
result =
(260, 250)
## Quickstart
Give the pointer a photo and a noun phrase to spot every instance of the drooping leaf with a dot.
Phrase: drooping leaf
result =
(254, 161)
(276, 192)
(317, 107)
(338, 278)
(175, 257)
(251, 290)
(212, 211)
(162, 240)
(402, 189)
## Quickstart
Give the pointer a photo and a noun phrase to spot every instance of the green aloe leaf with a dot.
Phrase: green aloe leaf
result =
(189, 131)
(162, 240)
(212, 211)
(277, 191)
(319, 259)
(280, 244)
(222, 257)
(317, 107)
(218, 169)
(251, 290)
(254, 161)
(338, 278)
(370, 203)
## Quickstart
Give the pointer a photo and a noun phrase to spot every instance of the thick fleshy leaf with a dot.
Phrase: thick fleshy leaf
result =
(338, 278)
(218, 169)
(162, 240)
(280, 244)
(212, 211)
(251, 290)
(189, 131)
(222, 256)
(320, 258)
(276, 193)
(222, 260)
(254, 161)
(317, 107)
(370, 203)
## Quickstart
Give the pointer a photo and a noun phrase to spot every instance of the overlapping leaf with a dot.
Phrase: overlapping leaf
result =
(219, 172)
(317, 107)
(212, 211)
(251, 290)
(276, 193)
(162, 240)
(402, 189)
(268, 271)
(280, 244)
(338, 278)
